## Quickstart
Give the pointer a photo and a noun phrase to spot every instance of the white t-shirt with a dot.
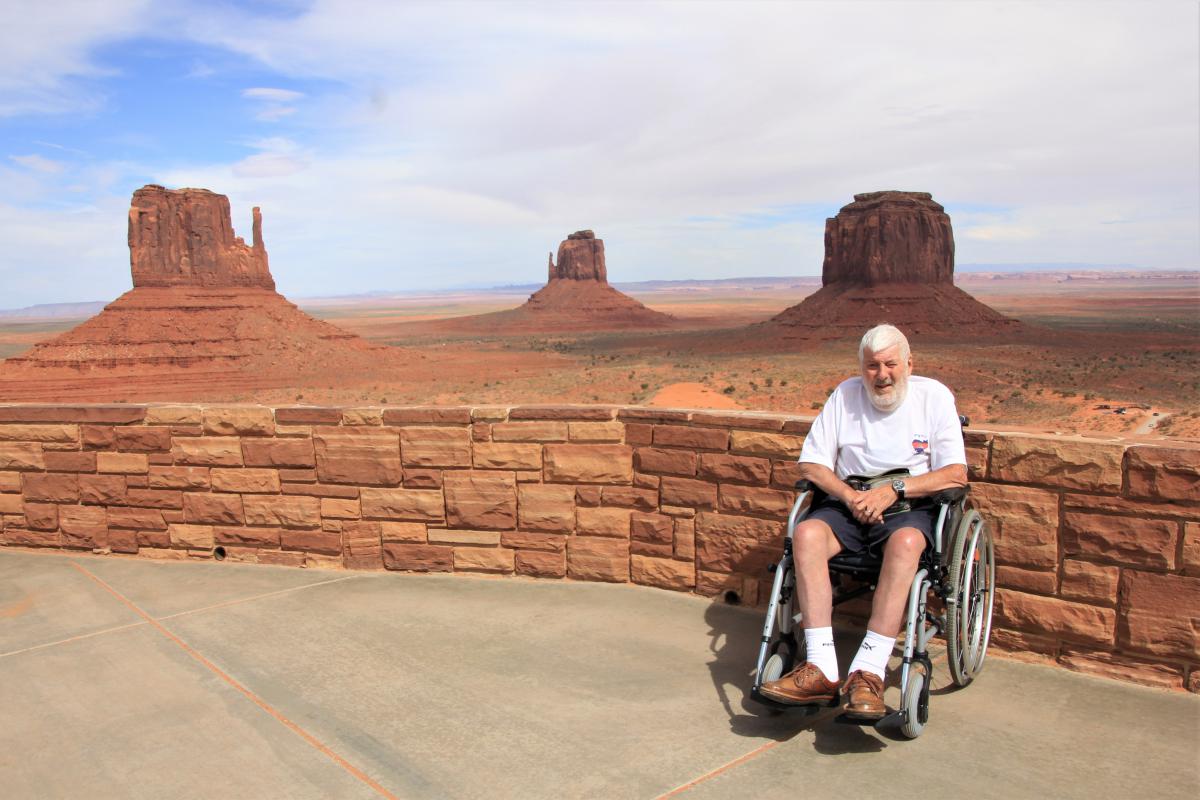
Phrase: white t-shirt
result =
(852, 437)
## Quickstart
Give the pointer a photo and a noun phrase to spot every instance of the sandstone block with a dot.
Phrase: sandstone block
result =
(662, 572)
(154, 498)
(418, 557)
(602, 522)
(593, 558)
(978, 457)
(362, 416)
(12, 504)
(638, 433)
(247, 536)
(97, 437)
(656, 528)
(213, 509)
(1071, 462)
(588, 496)
(24, 537)
(741, 419)
(589, 463)
(239, 421)
(281, 558)
(630, 497)
(1075, 621)
(753, 500)
(1121, 540)
(1160, 614)
(719, 584)
(689, 493)
(612, 431)
(456, 537)
(83, 526)
(122, 463)
(546, 508)
(1024, 523)
(480, 500)
(738, 469)
(759, 443)
(419, 415)
(521, 540)
(57, 434)
(546, 431)
(1027, 580)
(296, 453)
(691, 438)
(1118, 666)
(489, 414)
(650, 549)
(10, 481)
(364, 456)
(402, 504)
(1090, 583)
(70, 461)
(435, 447)
(1191, 546)
(1024, 646)
(403, 532)
(784, 474)
(321, 490)
(422, 478)
(670, 462)
(362, 545)
(548, 412)
(502, 455)
(284, 510)
(728, 543)
(178, 477)
(174, 415)
(540, 564)
(216, 451)
(1166, 473)
(41, 516)
(245, 481)
(311, 541)
(21, 456)
(51, 487)
(483, 559)
(685, 539)
(340, 508)
(143, 439)
(136, 519)
(102, 490)
(122, 541)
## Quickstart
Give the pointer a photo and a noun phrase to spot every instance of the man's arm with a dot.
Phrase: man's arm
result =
(868, 507)
(827, 481)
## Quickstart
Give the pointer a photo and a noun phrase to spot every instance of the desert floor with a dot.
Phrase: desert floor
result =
(1094, 343)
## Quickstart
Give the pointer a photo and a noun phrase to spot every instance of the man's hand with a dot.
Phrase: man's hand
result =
(868, 507)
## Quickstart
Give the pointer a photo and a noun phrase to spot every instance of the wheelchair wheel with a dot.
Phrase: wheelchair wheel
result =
(777, 665)
(914, 706)
(972, 582)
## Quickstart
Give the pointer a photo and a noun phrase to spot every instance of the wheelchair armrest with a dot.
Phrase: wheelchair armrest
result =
(803, 485)
(948, 496)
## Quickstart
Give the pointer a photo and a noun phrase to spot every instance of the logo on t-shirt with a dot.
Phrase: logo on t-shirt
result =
(920, 445)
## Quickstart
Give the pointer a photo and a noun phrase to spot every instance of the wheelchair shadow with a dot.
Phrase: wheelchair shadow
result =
(734, 640)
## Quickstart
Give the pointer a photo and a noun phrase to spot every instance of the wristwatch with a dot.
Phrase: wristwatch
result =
(898, 488)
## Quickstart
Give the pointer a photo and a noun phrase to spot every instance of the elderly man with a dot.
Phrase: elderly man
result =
(884, 420)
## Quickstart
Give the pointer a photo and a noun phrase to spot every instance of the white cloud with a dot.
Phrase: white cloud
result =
(39, 163)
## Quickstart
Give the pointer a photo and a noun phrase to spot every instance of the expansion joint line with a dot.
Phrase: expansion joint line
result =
(251, 696)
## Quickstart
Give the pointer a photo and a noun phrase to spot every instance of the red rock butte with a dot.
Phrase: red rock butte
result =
(889, 257)
(576, 297)
(203, 309)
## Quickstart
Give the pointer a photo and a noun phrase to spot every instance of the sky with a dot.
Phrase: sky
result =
(409, 146)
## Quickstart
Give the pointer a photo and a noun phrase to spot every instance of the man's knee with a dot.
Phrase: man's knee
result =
(815, 539)
(906, 543)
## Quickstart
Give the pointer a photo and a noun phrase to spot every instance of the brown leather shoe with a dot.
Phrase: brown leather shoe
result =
(864, 695)
(806, 685)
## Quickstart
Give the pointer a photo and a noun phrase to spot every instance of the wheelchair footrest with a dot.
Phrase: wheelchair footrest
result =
(811, 708)
(846, 719)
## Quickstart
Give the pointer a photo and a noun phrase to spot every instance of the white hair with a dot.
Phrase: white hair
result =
(881, 337)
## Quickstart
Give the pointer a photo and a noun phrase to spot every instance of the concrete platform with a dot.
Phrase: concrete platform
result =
(122, 678)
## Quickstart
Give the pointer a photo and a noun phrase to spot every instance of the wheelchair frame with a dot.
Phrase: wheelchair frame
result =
(961, 571)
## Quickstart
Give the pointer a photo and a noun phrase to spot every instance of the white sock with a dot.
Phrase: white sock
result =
(818, 643)
(873, 654)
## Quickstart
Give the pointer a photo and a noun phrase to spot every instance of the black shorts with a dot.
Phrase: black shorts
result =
(858, 538)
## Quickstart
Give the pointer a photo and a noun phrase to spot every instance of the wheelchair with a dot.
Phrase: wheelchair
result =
(960, 569)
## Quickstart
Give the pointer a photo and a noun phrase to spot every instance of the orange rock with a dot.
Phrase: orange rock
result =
(1164, 473)
(138, 519)
(688, 492)
(102, 490)
(435, 447)
(693, 438)
(783, 445)
(1070, 462)
(595, 431)
(51, 487)
(1076, 621)
(406, 532)
(594, 558)
(520, 540)
(754, 500)
(239, 421)
(1121, 667)
(360, 456)
(245, 480)
(480, 500)
(311, 541)
(603, 522)
(1027, 580)
(685, 539)
(1121, 540)
(41, 516)
(146, 439)
(1024, 523)
(210, 451)
(339, 508)
(21, 456)
(589, 463)
(192, 536)
(279, 452)
(530, 432)
(247, 535)
(126, 463)
(547, 508)
(670, 462)
(499, 455)
(739, 469)
(1191, 546)
(483, 559)
(212, 509)
(288, 511)
(418, 557)
(1160, 614)
(664, 573)
(419, 505)
(1091, 583)
(656, 528)
(541, 564)
(630, 497)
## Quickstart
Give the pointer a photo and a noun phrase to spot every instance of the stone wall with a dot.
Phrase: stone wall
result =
(1098, 540)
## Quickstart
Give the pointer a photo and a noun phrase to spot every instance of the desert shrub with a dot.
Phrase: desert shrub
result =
(728, 390)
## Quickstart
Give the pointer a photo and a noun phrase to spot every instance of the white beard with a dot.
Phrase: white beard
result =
(891, 401)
